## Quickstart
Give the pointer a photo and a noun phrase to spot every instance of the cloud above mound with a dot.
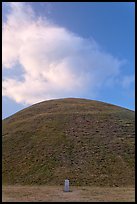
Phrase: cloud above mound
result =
(54, 62)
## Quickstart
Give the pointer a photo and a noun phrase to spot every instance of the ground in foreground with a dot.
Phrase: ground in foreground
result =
(56, 193)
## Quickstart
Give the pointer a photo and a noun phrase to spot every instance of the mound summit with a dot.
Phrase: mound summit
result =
(86, 141)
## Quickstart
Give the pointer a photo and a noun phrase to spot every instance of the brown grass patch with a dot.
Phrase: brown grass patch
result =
(77, 193)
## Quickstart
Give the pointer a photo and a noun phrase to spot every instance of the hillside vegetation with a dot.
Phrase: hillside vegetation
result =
(86, 141)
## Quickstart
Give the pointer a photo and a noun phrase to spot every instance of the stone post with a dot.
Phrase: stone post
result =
(66, 185)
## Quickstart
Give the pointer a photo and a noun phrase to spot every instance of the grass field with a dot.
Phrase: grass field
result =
(58, 139)
(77, 193)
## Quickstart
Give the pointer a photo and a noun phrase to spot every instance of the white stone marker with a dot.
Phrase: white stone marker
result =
(66, 185)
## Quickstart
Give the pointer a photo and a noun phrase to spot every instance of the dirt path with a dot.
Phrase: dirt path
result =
(56, 193)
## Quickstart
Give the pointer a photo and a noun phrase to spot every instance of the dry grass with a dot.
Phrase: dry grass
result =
(58, 139)
(55, 194)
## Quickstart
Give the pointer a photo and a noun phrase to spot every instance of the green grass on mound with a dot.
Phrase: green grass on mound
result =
(89, 142)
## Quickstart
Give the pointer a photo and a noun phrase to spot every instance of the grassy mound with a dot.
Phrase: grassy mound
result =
(88, 142)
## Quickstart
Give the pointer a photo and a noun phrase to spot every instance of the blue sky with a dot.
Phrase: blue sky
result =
(60, 49)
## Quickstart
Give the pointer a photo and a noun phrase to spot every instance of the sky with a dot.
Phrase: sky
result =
(54, 50)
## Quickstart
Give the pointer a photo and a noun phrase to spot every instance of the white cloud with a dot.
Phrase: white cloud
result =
(56, 62)
(127, 81)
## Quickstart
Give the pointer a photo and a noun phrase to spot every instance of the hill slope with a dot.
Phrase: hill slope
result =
(89, 142)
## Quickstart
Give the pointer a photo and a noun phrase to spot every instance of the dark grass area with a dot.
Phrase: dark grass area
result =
(89, 142)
